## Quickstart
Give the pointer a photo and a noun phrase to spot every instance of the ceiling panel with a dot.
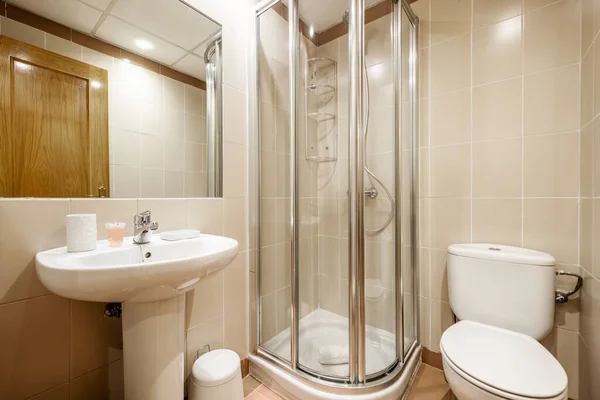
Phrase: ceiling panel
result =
(99, 4)
(79, 16)
(193, 66)
(169, 19)
(125, 35)
(322, 15)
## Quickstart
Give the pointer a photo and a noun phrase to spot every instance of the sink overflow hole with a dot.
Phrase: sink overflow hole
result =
(148, 255)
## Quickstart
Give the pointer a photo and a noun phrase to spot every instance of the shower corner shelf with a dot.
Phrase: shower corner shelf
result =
(318, 159)
(320, 116)
(321, 132)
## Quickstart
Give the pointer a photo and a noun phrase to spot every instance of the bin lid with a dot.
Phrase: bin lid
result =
(216, 367)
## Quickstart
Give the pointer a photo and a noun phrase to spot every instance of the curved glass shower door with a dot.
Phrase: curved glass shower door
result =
(336, 103)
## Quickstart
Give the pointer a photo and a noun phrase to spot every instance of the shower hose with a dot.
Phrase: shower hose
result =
(372, 176)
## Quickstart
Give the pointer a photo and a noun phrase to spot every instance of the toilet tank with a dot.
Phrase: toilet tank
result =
(504, 286)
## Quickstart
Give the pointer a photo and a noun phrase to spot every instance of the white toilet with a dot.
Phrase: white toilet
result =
(216, 375)
(504, 298)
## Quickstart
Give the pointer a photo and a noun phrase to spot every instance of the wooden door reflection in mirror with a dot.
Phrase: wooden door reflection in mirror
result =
(53, 124)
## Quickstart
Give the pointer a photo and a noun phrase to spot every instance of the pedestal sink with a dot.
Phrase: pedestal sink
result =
(150, 281)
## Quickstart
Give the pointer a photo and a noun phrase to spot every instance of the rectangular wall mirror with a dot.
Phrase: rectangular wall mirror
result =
(115, 99)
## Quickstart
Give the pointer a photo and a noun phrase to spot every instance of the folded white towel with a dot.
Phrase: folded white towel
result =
(333, 355)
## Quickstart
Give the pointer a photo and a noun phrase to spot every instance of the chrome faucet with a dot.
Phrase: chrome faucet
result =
(143, 227)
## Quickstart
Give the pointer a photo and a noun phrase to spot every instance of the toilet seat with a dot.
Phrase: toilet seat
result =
(502, 362)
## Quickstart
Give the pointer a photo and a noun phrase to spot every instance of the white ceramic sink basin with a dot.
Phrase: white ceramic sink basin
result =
(136, 273)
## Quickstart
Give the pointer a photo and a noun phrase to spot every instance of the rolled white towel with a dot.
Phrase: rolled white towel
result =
(333, 355)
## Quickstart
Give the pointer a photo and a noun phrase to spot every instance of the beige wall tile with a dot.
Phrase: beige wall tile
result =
(424, 321)
(551, 166)
(424, 72)
(449, 18)
(595, 270)
(234, 170)
(529, 5)
(209, 291)
(205, 215)
(596, 18)
(235, 221)
(34, 330)
(19, 243)
(451, 65)
(586, 234)
(450, 222)
(58, 393)
(284, 302)
(113, 210)
(566, 315)
(95, 340)
(378, 43)
(209, 332)
(497, 221)
(424, 123)
(102, 383)
(252, 323)
(596, 77)
(424, 222)
(551, 101)
(450, 171)
(497, 51)
(234, 58)
(236, 305)
(24, 33)
(234, 115)
(587, 24)
(498, 110)
(421, 8)
(551, 225)
(596, 157)
(587, 88)
(451, 118)
(169, 213)
(567, 353)
(497, 168)
(424, 172)
(487, 12)
(424, 261)
(441, 319)
(589, 301)
(63, 47)
(268, 316)
(552, 36)
(439, 275)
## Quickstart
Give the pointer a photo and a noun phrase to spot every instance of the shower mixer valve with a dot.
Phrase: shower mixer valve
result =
(371, 193)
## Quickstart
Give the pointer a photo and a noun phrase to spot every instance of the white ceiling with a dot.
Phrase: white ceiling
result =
(323, 14)
(175, 30)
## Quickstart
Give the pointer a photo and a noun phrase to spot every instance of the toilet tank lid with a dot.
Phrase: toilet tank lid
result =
(498, 252)
(216, 368)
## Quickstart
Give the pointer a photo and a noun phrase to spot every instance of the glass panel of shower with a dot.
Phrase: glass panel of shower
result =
(336, 181)
(274, 179)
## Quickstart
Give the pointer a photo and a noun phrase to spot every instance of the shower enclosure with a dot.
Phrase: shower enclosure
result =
(334, 114)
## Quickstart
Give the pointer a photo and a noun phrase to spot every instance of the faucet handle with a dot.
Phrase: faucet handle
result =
(143, 218)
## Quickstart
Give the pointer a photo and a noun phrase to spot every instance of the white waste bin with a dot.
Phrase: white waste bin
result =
(216, 375)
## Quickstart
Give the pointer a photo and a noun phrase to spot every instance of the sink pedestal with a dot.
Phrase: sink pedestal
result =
(153, 349)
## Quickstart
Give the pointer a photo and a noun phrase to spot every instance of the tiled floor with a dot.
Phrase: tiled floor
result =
(254, 390)
(429, 384)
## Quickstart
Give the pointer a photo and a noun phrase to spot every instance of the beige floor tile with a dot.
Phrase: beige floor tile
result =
(250, 385)
(429, 384)
(268, 393)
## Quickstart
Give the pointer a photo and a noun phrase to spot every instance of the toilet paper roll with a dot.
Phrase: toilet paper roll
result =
(81, 232)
